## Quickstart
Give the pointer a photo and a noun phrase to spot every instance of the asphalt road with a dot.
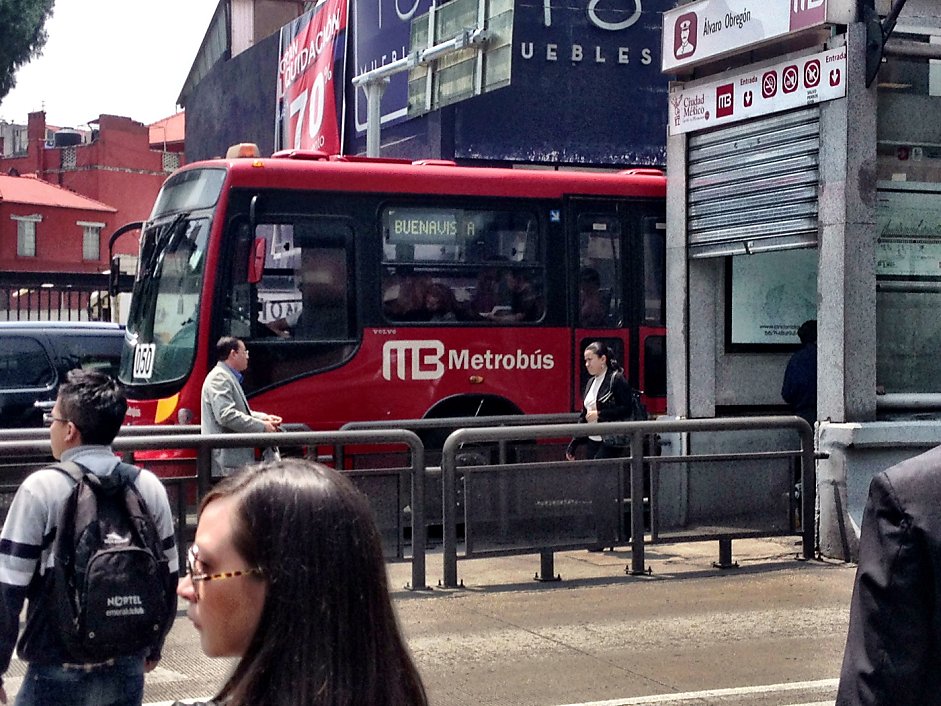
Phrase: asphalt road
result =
(768, 633)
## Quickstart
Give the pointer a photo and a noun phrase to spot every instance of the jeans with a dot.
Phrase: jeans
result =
(121, 684)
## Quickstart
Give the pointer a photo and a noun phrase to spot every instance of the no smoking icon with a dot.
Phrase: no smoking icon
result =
(812, 73)
(790, 77)
(769, 84)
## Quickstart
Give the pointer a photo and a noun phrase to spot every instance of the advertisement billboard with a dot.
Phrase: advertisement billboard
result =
(381, 36)
(311, 67)
(585, 87)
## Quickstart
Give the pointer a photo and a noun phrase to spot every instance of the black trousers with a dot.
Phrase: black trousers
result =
(605, 505)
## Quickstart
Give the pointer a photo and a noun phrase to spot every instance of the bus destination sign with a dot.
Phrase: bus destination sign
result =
(437, 227)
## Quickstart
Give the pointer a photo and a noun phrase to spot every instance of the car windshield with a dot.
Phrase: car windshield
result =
(162, 322)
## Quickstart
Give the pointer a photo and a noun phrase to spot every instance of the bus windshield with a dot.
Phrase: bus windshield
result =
(189, 191)
(162, 322)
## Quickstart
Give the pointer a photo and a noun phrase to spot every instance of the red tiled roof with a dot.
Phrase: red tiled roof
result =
(172, 129)
(30, 190)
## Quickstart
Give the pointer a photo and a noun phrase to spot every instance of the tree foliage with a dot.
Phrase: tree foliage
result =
(22, 36)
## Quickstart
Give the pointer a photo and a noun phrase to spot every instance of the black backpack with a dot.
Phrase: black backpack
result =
(110, 580)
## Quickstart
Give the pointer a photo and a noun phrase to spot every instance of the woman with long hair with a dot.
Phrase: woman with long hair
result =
(608, 398)
(287, 573)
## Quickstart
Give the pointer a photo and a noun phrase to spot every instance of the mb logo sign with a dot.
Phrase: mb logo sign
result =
(807, 13)
(416, 360)
(428, 360)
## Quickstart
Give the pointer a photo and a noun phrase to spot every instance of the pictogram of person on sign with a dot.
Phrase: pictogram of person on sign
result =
(684, 40)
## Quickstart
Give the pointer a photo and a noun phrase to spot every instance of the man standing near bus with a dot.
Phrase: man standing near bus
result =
(225, 408)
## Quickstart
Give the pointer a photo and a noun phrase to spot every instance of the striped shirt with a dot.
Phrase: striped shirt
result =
(26, 553)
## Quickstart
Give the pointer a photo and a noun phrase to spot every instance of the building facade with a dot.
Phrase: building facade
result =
(574, 84)
(828, 210)
(112, 164)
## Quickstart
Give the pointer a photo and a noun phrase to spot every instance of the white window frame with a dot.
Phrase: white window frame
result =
(26, 234)
(91, 234)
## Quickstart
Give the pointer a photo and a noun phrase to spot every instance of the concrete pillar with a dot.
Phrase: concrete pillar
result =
(846, 280)
(677, 286)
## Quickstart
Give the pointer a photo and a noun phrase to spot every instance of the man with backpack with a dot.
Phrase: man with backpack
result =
(89, 544)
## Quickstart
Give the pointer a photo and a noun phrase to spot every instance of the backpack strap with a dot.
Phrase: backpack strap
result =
(73, 470)
(125, 471)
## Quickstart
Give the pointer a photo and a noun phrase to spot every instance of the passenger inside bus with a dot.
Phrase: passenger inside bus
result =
(593, 310)
(440, 304)
(526, 301)
(486, 294)
(404, 297)
(323, 287)
(319, 311)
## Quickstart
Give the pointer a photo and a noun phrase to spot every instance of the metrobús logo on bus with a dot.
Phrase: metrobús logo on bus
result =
(428, 360)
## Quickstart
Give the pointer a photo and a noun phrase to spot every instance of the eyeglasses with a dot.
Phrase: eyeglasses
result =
(48, 419)
(196, 577)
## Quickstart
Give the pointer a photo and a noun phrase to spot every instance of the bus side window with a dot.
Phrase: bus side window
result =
(600, 279)
(654, 272)
(443, 264)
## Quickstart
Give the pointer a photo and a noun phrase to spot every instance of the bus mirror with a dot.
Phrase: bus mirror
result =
(114, 275)
(256, 260)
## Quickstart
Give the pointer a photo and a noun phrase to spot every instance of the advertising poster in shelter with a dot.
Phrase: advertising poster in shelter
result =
(771, 295)
(311, 66)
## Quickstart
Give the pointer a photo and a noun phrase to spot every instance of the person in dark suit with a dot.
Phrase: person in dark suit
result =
(893, 646)
(608, 398)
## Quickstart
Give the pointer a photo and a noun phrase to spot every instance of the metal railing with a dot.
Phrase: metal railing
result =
(204, 443)
(637, 463)
(451, 423)
(125, 431)
(631, 472)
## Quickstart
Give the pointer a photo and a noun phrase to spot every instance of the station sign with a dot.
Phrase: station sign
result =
(699, 32)
(788, 84)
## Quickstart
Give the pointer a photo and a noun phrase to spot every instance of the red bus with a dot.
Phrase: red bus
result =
(375, 289)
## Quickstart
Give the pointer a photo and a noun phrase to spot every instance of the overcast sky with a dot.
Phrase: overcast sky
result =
(122, 57)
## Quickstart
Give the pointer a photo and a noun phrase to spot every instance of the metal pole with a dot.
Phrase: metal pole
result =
(203, 472)
(808, 489)
(449, 510)
(374, 91)
(637, 503)
(418, 516)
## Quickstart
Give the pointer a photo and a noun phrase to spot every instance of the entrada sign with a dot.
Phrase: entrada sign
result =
(702, 31)
(788, 84)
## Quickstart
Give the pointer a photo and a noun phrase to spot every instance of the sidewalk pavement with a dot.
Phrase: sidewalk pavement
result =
(579, 565)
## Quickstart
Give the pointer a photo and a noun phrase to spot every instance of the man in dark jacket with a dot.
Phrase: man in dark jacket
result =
(800, 379)
(893, 649)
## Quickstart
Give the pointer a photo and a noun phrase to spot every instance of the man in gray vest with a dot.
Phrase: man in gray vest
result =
(225, 408)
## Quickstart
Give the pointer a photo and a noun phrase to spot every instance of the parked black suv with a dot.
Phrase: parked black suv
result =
(36, 355)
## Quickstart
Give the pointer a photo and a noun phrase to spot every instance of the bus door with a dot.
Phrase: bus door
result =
(648, 266)
(599, 293)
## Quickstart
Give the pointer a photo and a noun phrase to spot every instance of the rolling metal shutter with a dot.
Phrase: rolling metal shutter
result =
(752, 187)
